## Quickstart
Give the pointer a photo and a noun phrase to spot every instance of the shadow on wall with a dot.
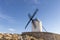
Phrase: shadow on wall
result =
(32, 39)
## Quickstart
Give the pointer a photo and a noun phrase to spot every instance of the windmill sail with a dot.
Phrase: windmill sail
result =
(31, 17)
(32, 20)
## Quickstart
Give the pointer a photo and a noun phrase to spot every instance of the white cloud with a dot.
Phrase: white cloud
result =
(11, 30)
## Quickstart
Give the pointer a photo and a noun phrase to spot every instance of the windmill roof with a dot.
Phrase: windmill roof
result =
(36, 20)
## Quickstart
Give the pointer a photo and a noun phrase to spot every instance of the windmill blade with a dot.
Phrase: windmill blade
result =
(44, 28)
(31, 18)
(29, 15)
(27, 23)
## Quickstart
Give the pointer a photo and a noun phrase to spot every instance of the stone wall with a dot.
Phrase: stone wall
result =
(41, 36)
(30, 36)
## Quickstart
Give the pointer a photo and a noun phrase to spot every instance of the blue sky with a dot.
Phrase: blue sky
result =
(13, 15)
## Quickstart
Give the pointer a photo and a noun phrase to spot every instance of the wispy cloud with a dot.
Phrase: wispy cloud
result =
(36, 1)
(10, 20)
(11, 30)
(33, 1)
(6, 17)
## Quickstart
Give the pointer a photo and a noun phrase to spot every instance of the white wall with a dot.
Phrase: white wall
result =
(38, 26)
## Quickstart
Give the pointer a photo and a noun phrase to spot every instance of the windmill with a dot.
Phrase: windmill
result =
(36, 24)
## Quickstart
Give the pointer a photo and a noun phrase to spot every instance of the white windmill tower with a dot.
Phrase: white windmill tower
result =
(36, 24)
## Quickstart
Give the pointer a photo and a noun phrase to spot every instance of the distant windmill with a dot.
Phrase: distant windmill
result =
(36, 24)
